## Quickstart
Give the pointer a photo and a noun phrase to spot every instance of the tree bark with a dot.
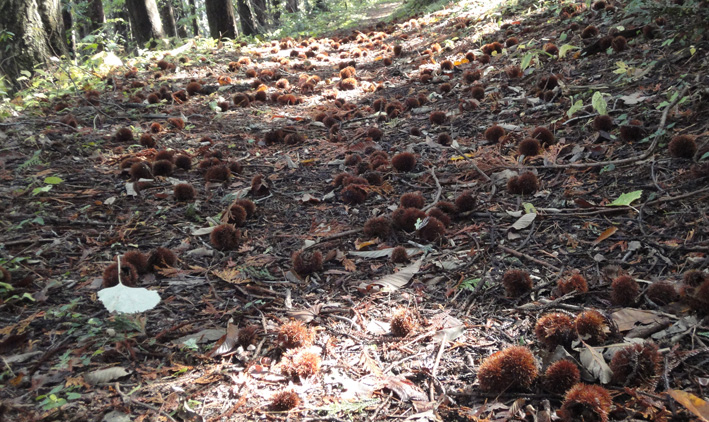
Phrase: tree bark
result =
(94, 11)
(145, 20)
(38, 35)
(247, 21)
(193, 12)
(220, 16)
(291, 6)
(179, 15)
(276, 7)
(260, 12)
(167, 15)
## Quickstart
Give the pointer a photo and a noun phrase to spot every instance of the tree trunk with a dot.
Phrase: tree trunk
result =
(220, 16)
(145, 20)
(38, 35)
(291, 6)
(94, 12)
(193, 12)
(69, 28)
(276, 7)
(122, 28)
(167, 14)
(247, 21)
(260, 12)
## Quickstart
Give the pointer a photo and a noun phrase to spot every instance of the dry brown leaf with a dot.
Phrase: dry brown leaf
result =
(605, 235)
(227, 342)
(395, 281)
(404, 389)
(594, 362)
(627, 318)
(694, 404)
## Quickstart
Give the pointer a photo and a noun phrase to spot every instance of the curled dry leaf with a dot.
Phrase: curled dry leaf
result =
(392, 282)
(594, 362)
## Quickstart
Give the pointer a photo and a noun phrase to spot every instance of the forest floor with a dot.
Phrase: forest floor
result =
(602, 214)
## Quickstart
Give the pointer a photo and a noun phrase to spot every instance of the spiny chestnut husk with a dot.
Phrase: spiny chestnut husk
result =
(509, 369)
(561, 376)
(585, 402)
(624, 290)
(636, 365)
(403, 322)
(555, 329)
(592, 327)
(307, 262)
(300, 362)
(576, 282)
(285, 400)
(516, 282)
(295, 334)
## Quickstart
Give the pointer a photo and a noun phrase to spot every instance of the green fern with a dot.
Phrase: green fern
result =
(33, 161)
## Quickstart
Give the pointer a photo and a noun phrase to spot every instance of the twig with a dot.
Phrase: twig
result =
(129, 399)
(334, 236)
(528, 257)
(644, 155)
(475, 166)
(438, 191)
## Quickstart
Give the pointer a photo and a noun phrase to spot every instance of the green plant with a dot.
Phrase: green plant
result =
(469, 284)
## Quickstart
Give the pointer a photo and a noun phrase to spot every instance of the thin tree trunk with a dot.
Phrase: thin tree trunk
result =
(220, 15)
(247, 21)
(145, 20)
(193, 11)
(276, 7)
(167, 15)
(260, 12)
(123, 28)
(291, 6)
(69, 28)
(38, 35)
(94, 12)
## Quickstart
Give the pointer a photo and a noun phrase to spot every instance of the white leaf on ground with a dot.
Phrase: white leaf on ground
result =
(596, 365)
(205, 336)
(381, 253)
(524, 221)
(378, 327)
(128, 300)
(202, 231)
(393, 282)
(116, 416)
(105, 375)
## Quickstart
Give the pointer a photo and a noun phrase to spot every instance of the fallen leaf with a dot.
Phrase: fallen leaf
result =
(605, 235)
(393, 282)
(626, 199)
(227, 342)
(595, 364)
(102, 376)
(627, 318)
(694, 404)
(128, 300)
(404, 389)
(524, 221)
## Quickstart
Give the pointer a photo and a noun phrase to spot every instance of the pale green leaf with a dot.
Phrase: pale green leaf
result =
(626, 199)
(599, 103)
(578, 105)
(53, 180)
(526, 60)
(566, 48)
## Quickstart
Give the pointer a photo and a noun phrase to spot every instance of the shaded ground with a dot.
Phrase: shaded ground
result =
(60, 239)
